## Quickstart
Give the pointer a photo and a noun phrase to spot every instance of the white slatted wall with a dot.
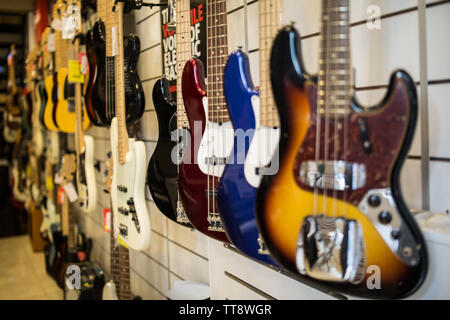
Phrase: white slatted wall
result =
(177, 253)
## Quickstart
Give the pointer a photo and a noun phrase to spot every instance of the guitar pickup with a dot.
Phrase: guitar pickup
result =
(122, 189)
(123, 211)
(211, 193)
(123, 230)
(132, 211)
(215, 161)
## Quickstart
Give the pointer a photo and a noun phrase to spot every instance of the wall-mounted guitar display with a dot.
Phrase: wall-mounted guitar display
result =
(284, 167)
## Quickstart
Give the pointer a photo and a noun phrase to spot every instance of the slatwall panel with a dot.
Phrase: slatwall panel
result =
(177, 253)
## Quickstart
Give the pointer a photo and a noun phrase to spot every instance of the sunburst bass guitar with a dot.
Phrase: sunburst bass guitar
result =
(334, 212)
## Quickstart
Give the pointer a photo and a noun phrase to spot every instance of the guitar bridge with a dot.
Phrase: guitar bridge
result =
(132, 211)
(123, 230)
(331, 249)
(215, 223)
(181, 214)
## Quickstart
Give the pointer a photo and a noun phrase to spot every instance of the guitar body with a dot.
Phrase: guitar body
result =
(65, 114)
(18, 187)
(90, 51)
(86, 185)
(11, 127)
(43, 98)
(236, 197)
(285, 205)
(193, 182)
(51, 89)
(162, 173)
(97, 52)
(134, 93)
(38, 139)
(131, 217)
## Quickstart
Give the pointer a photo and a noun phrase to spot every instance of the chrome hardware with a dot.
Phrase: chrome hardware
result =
(172, 14)
(215, 223)
(123, 230)
(379, 206)
(334, 175)
(123, 211)
(211, 193)
(122, 189)
(331, 249)
(215, 161)
(181, 214)
(132, 211)
(262, 246)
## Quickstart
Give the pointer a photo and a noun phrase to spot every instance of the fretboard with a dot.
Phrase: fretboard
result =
(114, 255)
(269, 24)
(79, 134)
(183, 36)
(117, 50)
(217, 55)
(124, 290)
(335, 65)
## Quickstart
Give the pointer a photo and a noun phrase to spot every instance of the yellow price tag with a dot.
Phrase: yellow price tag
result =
(75, 75)
(121, 242)
(49, 183)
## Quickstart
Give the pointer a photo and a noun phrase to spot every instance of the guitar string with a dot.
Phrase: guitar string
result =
(335, 93)
(348, 95)
(208, 37)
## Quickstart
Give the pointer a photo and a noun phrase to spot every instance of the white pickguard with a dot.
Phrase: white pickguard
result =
(53, 147)
(262, 148)
(217, 141)
(87, 194)
(130, 175)
(109, 291)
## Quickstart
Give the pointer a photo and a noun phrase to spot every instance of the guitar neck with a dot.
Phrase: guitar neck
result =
(269, 23)
(120, 83)
(79, 134)
(217, 55)
(183, 37)
(114, 258)
(335, 68)
(124, 277)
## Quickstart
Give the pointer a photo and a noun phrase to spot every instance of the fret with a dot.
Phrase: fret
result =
(217, 44)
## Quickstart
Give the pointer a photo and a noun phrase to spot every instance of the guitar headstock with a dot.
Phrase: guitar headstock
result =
(68, 167)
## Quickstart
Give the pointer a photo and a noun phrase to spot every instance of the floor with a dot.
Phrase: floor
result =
(22, 272)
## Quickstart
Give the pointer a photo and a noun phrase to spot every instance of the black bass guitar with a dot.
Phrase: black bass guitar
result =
(103, 108)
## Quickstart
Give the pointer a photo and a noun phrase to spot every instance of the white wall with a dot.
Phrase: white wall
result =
(178, 253)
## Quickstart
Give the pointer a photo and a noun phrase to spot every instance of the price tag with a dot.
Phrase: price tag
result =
(71, 192)
(75, 76)
(84, 63)
(107, 219)
(51, 42)
(121, 242)
(49, 183)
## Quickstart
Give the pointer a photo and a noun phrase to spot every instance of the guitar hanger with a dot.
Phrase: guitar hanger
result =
(138, 4)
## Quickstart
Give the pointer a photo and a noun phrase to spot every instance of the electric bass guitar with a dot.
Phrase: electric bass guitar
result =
(51, 78)
(65, 111)
(85, 174)
(334, 211)
(162, 173)
(204, 162)
(129, 156)
(250, 112)
(102, 88)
